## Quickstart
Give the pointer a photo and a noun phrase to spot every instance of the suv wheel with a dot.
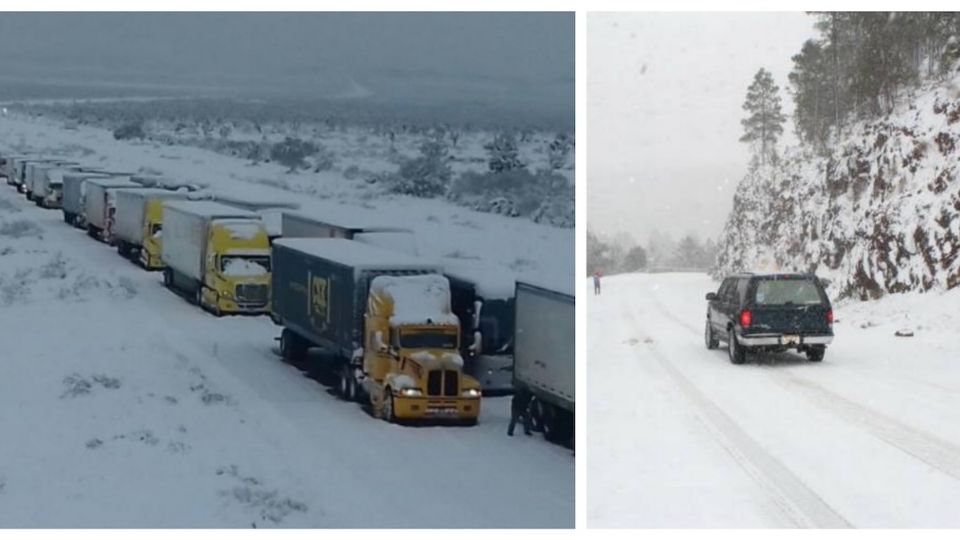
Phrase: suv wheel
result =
(815, 354)
(710, 341)
(738, 354)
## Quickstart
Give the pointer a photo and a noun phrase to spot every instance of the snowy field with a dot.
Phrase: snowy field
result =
(680, 437)
(121, 405)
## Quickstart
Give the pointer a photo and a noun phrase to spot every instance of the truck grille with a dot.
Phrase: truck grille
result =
(443, 383)
(250, 293)
(434, 382)
(451, 383)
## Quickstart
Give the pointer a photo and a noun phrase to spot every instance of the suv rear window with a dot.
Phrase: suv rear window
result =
(778, 292)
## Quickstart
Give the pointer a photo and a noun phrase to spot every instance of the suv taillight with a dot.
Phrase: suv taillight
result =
(829, 316)
(746, 318)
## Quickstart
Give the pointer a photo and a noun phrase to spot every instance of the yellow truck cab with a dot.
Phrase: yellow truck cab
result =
(138, 224)
(218, 254)
(412, 358)
(384, 318)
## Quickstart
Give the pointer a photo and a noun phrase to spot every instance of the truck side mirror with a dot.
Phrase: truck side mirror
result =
(711, 296)
(378, 342)
(477, 344)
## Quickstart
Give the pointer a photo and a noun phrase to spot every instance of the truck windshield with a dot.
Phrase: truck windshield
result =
(428, 340)
(244, 265)
(778, 292)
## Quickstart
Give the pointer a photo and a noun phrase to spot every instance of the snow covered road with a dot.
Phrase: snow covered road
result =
(680, 437)
(121, 405)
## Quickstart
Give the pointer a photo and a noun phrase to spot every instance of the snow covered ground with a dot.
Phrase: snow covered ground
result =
(680, 437)
(121, 405)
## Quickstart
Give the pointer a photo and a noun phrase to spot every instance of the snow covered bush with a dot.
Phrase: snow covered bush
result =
(131, 130)
(503, 153)
(559, 150)
(292, 152)
(544, 196)
(324, 159)
(427, 175)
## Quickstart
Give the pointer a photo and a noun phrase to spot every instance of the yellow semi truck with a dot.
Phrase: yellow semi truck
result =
(386, 318)
(138, 224)
(219, 256)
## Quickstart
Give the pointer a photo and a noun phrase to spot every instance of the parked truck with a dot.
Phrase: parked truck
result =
(74, 191)
(217, 255)
(47, 187)
(34, 170)
(99, 205)
(384, 317)
(21, 168)
(483, 300)
(544, 357)
(7, 168)
(139, 224)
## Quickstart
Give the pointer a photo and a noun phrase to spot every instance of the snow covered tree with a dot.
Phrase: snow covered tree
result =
(503, 153)
(689, 253)
(764, 123)
(558, 150)
(427, 175)
(292, 152)
(635, 259)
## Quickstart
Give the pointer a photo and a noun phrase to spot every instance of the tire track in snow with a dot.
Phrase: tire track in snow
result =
(797, 502)
(934, 451)
(930, 449)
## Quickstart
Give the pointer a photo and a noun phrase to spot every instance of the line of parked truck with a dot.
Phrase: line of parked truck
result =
(409, 337)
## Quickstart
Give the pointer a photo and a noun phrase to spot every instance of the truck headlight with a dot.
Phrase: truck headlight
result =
(471, 392)
(411, 392)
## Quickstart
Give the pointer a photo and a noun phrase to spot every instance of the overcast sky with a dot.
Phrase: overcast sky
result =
(526, 57)
(664, 102)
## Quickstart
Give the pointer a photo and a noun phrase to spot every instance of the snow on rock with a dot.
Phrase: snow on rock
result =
(421, 299)
(879, 214)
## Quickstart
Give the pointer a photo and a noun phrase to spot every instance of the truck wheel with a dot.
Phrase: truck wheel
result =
(548, 421)
(92, 232)
(389, 412)
(815, 354)
(292, 346)
(562, 426)
(708, 338)
(68, 218)
(738, 354)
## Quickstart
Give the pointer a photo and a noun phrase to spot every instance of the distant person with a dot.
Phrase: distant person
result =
(520, 408)
(596, 283)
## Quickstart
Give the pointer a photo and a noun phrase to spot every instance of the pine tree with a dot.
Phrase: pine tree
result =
(764, 125)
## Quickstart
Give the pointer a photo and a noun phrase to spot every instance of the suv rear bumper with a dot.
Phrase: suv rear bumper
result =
(776, 340)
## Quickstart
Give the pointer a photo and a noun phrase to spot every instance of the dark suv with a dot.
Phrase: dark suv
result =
(770, 312)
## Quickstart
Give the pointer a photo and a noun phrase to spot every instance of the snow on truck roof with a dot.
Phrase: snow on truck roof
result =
(208, 209)
(423, 299)
(111, 182)
(350, 223)
(356, 254)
